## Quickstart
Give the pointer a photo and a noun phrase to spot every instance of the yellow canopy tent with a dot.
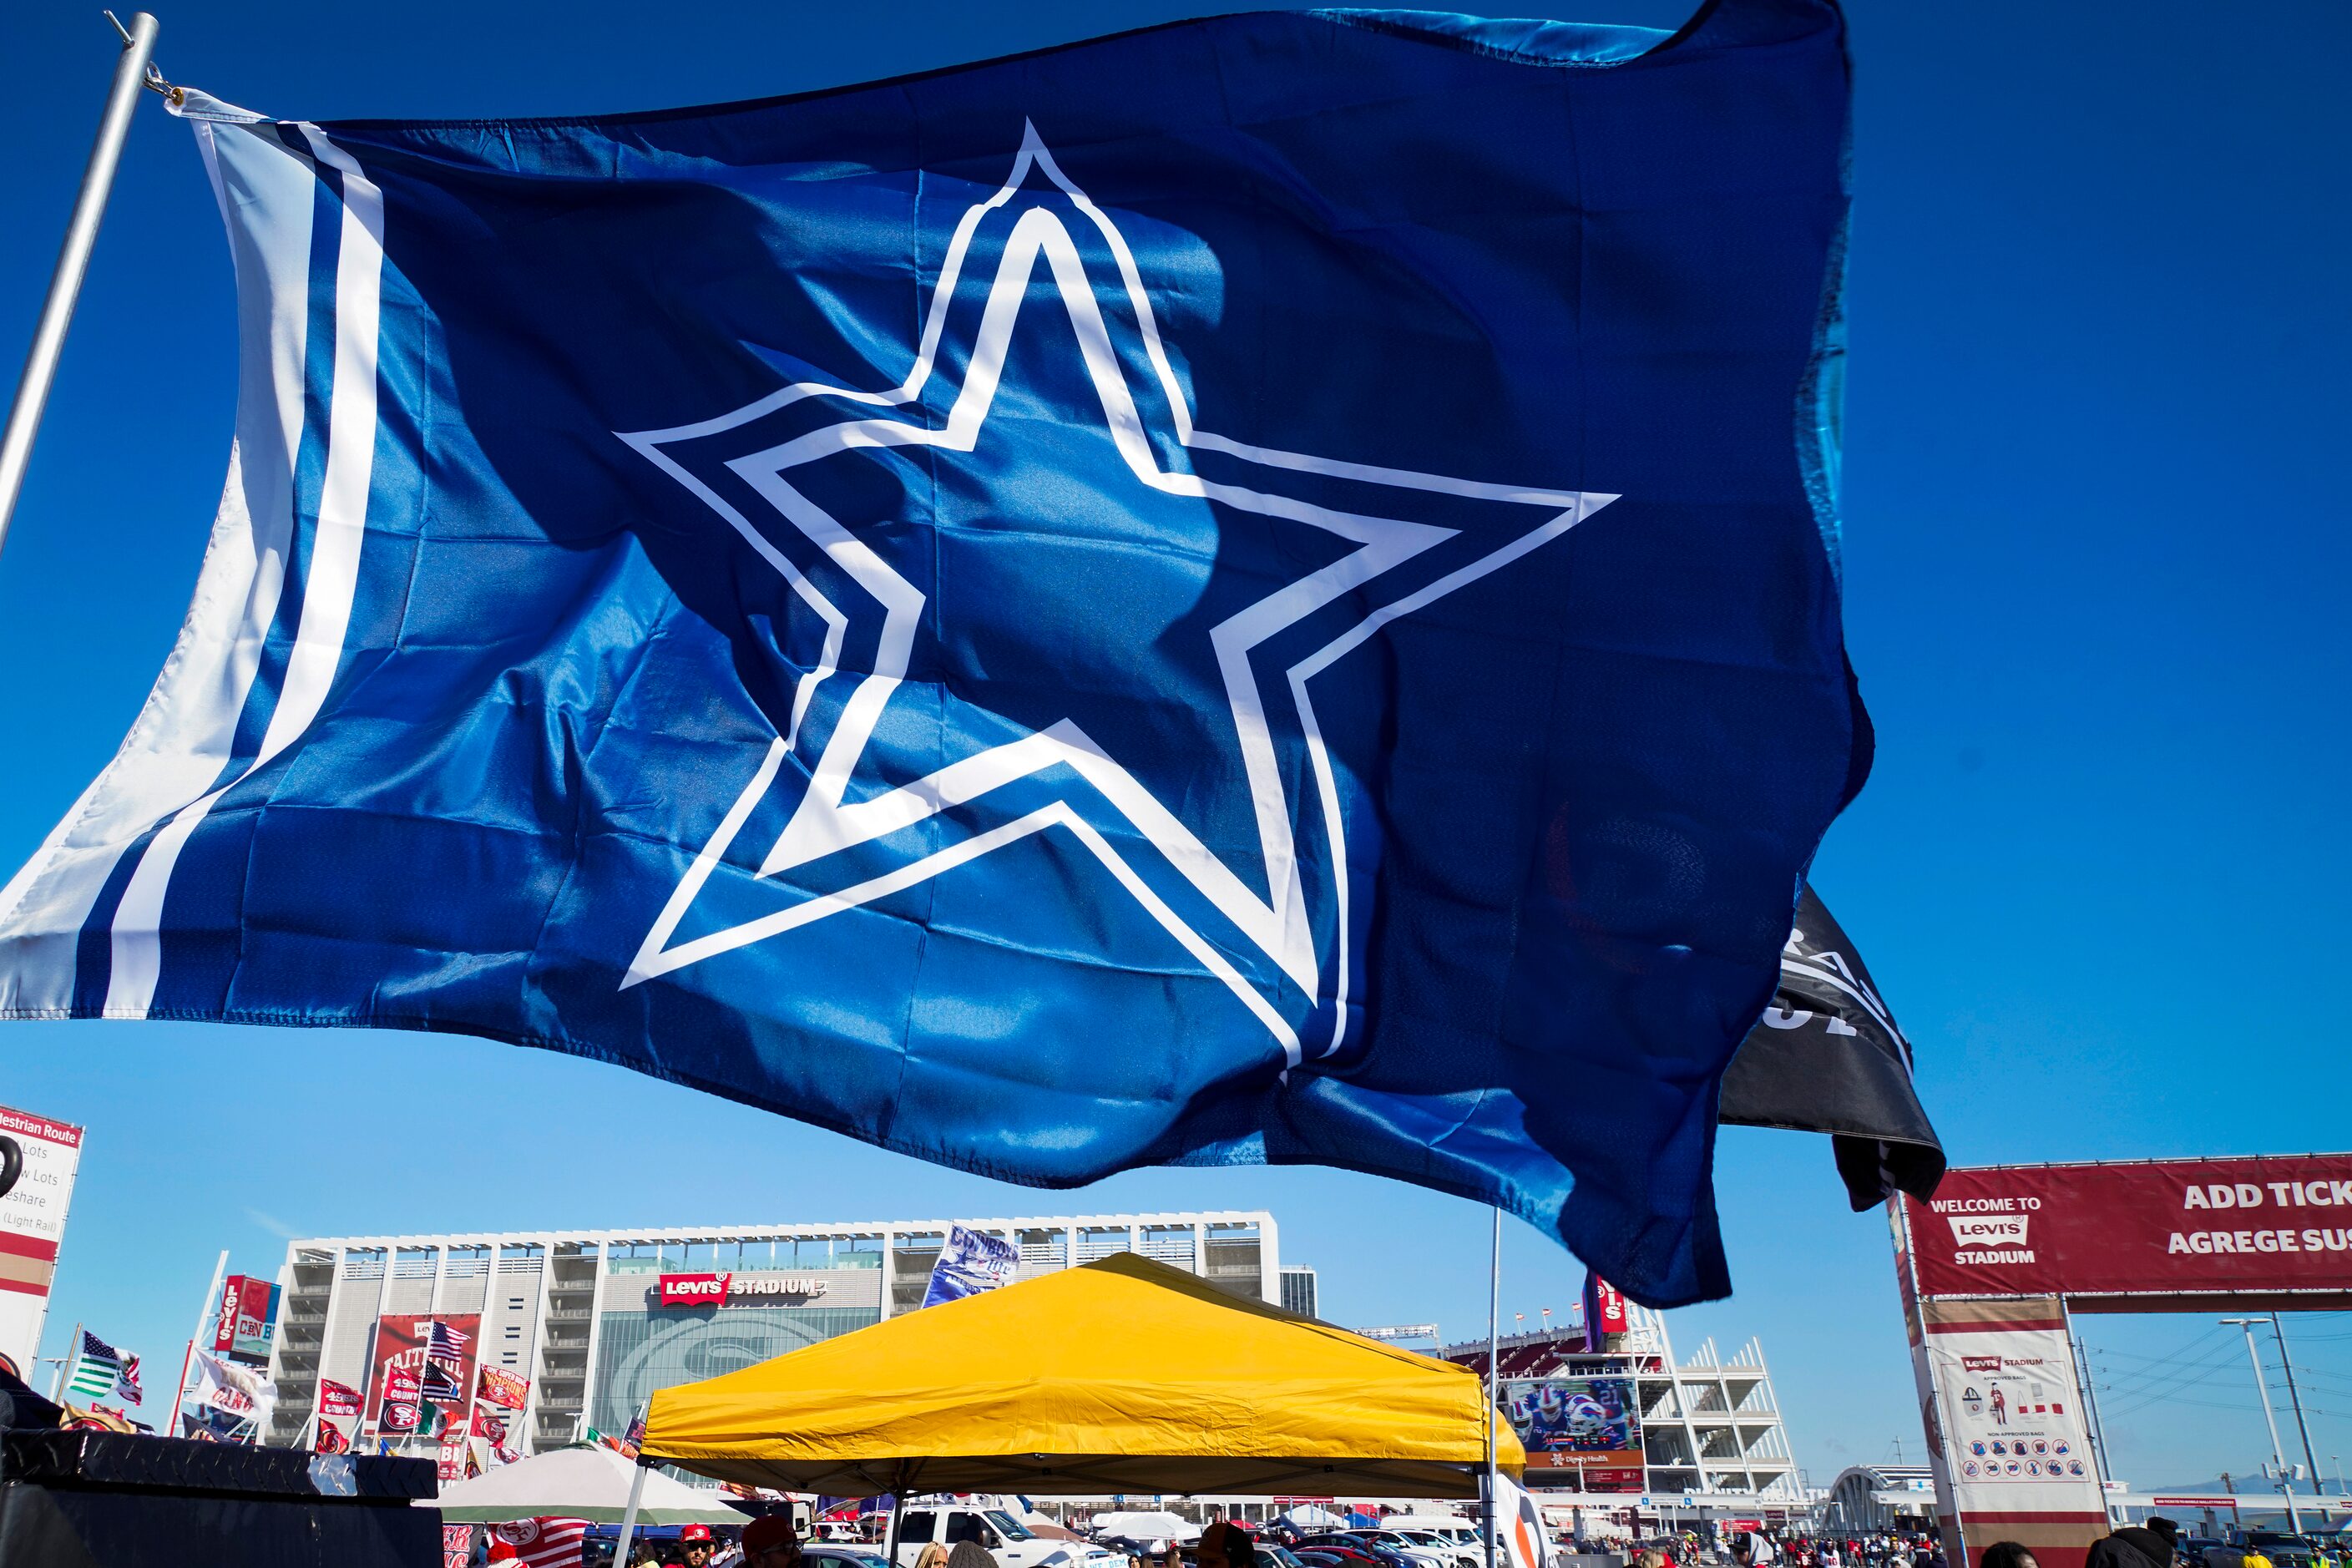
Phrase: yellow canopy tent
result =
(1123, 1375)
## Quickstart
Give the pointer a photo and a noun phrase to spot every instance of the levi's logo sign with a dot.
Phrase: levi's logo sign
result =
(694, 1289)
(1988, 1230)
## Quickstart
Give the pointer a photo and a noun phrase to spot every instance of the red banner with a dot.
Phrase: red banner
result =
(408, 1369)
(2144, 1237)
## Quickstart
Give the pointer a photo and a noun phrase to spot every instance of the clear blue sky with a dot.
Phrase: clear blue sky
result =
(2094, 548)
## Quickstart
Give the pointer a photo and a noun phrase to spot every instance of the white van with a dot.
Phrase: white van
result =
(992, 1522)
(1452, 1528)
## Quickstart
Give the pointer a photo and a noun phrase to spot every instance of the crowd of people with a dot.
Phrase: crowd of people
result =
(773, 1542)
(1793, 1549)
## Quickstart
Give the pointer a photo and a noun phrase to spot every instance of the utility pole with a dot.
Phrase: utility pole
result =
(2278, 1458)
(2294, 1399)
(2095, 1431)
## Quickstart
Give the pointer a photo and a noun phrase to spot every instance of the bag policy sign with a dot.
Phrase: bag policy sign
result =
(2008, 1443)
(2146, 1230)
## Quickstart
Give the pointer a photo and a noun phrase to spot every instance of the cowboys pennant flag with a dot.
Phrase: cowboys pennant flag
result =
(1263, 589)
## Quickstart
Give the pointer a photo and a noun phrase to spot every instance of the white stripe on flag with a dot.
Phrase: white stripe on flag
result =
(328, 588)
(181, 739)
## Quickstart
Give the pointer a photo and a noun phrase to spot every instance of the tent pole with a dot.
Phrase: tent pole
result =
(629, 1517)
(1494, 1374)
(889, 1533)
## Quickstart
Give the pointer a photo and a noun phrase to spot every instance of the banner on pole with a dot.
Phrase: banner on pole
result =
(224, 1386)
(970, 1262)
(504, 1389)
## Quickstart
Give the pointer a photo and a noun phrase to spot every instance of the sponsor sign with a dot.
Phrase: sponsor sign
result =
(32, 1227)
(249, 1320)
(694, 1289)
(726, 1290)
(224, 1313)
(1582, 1434)
(2147, 1235)
(1604, 1310)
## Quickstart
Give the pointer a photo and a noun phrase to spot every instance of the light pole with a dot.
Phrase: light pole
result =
(2294, 1399)
(2278, 1458)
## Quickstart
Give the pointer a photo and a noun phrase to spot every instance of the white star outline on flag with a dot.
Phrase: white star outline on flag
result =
(822, 824)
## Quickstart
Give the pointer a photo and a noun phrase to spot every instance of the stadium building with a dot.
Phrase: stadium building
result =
(596, 1321)
(1707, 1440)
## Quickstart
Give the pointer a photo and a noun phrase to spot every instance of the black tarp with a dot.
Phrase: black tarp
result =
(104, 1500)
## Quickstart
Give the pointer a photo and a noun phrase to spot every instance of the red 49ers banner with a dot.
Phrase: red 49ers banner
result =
(2144, 1235)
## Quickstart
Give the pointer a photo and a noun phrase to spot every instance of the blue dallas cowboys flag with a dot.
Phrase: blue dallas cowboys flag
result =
(1258, 590)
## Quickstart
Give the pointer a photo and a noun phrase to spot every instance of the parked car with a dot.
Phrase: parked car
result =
(1369, 1543)
(829, 1555)
(1323, 1550)
(1448, 1553)
(2285, 1550)
(1334, 1557)
(1011, 1542)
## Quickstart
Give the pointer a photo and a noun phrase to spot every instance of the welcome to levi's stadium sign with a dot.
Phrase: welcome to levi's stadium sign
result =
(722, 1290)
(2142, 1236)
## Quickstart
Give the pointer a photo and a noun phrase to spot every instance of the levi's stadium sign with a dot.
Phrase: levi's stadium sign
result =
(2143, 1234)
(718, 1289)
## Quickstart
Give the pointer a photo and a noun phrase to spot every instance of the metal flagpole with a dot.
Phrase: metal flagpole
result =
(1493, 1374)
(131, 71)
(211, 1302)
(73, 1354)
(629, 1517)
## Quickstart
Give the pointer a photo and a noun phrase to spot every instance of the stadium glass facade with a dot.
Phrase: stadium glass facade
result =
(581, 1315)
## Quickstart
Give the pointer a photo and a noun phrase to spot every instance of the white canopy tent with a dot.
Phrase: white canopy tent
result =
(584, 1482)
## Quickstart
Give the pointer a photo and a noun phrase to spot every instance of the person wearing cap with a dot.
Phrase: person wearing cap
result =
(2149, 1545)
(693, 1545)
(770, 1541)
(1225, 1544)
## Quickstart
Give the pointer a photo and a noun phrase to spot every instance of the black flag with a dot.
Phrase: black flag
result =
(1828, 1057)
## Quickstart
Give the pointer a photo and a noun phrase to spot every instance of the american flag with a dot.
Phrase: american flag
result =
(540, 1542)
(441, 1341)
